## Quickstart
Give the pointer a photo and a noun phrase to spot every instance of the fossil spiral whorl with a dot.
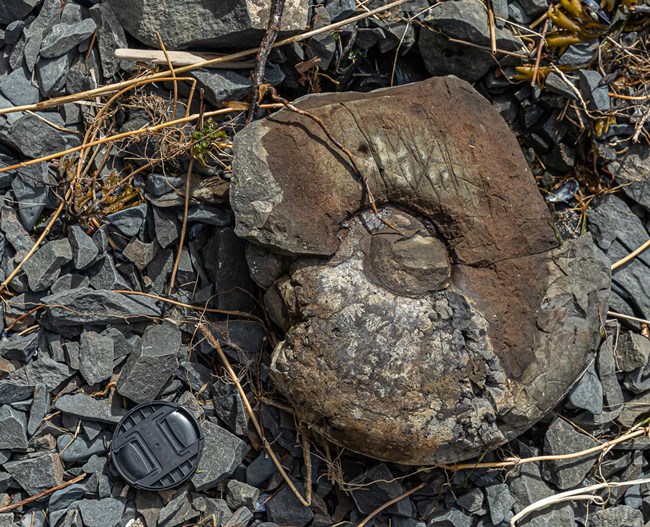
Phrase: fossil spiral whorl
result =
(440, 340)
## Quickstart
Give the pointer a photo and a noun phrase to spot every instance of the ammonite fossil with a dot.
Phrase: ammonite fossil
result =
(449, 324)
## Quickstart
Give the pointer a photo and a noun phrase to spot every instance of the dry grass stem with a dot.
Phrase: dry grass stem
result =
(515, 461)
(627, 317)
(575, 494)
(631, 256)
(260, 432)
(374, 513)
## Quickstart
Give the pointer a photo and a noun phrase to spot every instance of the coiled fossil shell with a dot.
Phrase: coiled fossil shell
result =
(437, 342)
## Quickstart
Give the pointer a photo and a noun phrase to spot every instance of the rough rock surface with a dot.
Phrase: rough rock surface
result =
(446, 338)
(203, 21)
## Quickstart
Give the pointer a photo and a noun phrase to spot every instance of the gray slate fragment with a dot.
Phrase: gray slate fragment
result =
(260, 470)
(212, 507)
(534, 8)
(102, 513)
(285, 509)
(159, 270)
(633, 352)
(111, 37)
(621, 516)
(40, 408)
(559, 86)
(562, 438)
(472, 500)
(140, 253)
(166, 227)
(241, 495)
(178, 510)
(34, 137)
(95, 357)
(86, 407)
(31, 187)
(632, 171)
(451, 518)
(80, 449)
(87, 306)
(148, 368)
(464, 20)
(38, 473)
(20, 348)
(128, 221)
(382, 487)
(149, 505)
(13, 429)
(84, 250)
(195, 375)
(18, 88)
(51, 74)
(64, 37)
(43, 371)
(222, 454)
(229, 407)
(579, 55)
(618, 231)
(612, 393)
(48, 15)
(104, 275)
(14, 232)
(44, 267)
(13, 10)
(634, 409)
(528, 488)
(587, 393)
(500, 502)
(597, 96)
(237, 23)
(62, 499)
(220, 86)
(69, 281)
(12, 392)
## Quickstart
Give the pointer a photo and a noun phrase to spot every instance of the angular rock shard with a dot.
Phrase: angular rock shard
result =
(445, 337)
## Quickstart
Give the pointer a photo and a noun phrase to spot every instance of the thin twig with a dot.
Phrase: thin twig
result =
(260, 432)
(627, 317)
(42, 494)
(485, 48)
(186, 207)
(493, 28)
(173, 73)
(272, 30)
(632, 255)
(389, 503)
(110, 88)
(306, 454)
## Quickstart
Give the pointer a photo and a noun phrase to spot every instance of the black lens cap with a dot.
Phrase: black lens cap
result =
(157, 445)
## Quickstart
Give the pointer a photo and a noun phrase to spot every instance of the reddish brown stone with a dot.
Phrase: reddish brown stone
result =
(444, 339)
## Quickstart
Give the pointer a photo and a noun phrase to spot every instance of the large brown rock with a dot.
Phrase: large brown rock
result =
(442, 340)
